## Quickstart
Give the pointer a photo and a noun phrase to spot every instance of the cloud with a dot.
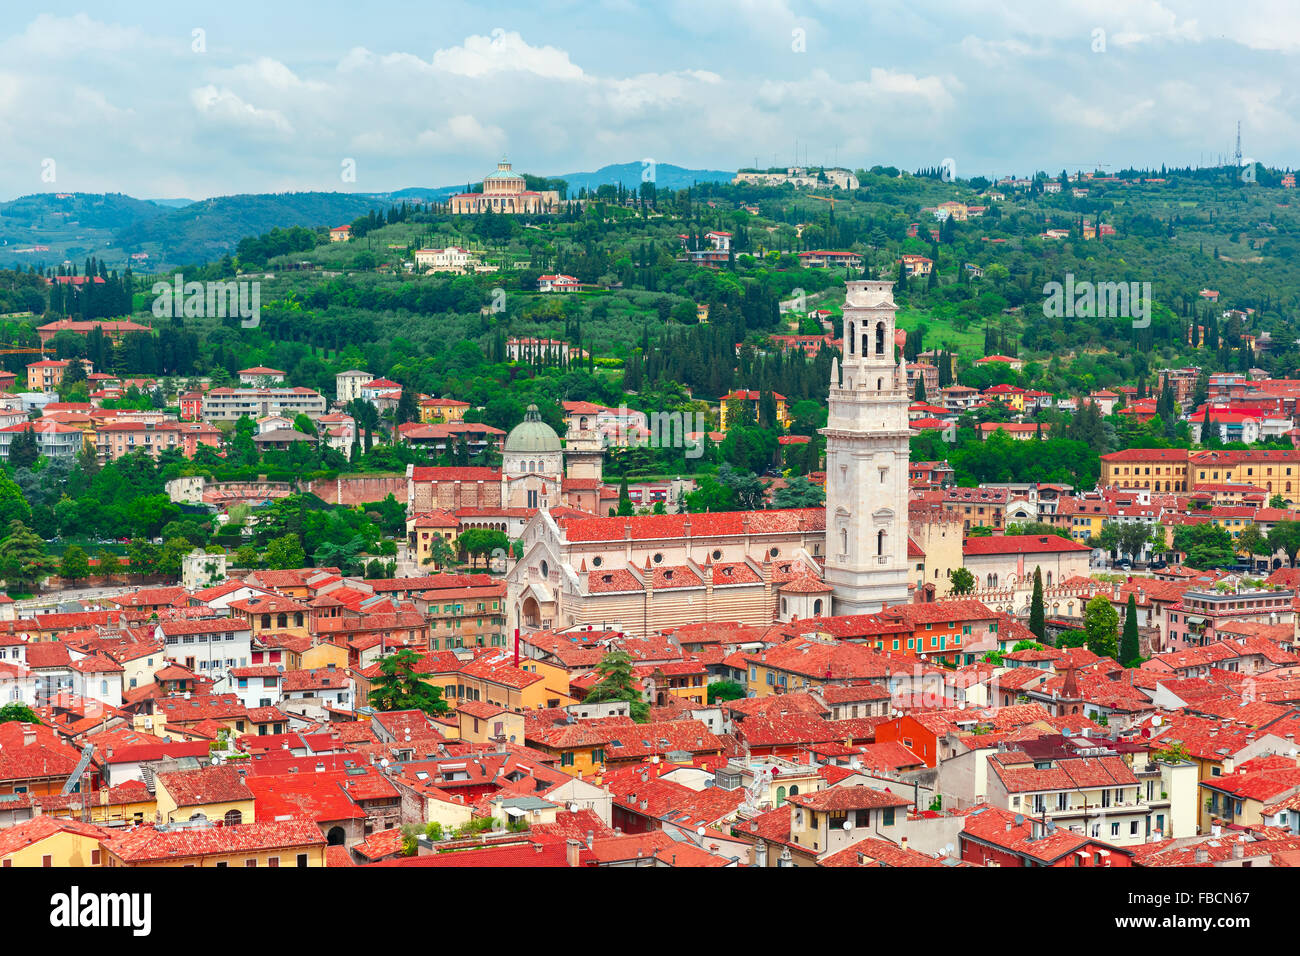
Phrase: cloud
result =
(505, 52)
(463, 134)
(1005, 88)
(224, 108)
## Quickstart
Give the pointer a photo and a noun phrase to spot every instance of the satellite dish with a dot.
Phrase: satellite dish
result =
(700, 831)
(855, 764)
(573, 808)
(848, 825)
(1157, 720)
(383, 762)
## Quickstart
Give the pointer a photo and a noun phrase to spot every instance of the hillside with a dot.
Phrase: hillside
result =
(209, 229)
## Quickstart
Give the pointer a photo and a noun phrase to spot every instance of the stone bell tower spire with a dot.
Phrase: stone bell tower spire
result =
(867, 434)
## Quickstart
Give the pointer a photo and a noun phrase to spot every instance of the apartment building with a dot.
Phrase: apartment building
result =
(230, 404)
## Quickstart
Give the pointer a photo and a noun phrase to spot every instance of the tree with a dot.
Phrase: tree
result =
(624, 500)
(617, 682)
(109, 563)
(1101, 627)
(1209, 434)
(441, 553)
(398, 687)
(24, 562)
(13, 506)
(285, 553)
(725, 690)
(75, 564)
(963, 582)
(23, 452)
(1251, 541)
(1130, 650)
(1072, 639)
(246, 557)
(1285, 536)
(18, 711)
(1133, 537)
(482, 542)
(1037, 612)
(799, 492)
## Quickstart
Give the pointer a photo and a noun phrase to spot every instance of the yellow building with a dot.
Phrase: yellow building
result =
(480, 723)
(45, 841)
(1275, 470)
(323, 655)
(578, 748)
(423, 529)
(295, 842)
(685, 680)
(491, 678)
(725, 408)
(212, 794)
(435, 411)
(1160, 469)
(129, 802)
(829, 820)
(271, 613)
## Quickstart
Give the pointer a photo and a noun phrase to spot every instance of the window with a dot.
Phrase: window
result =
(273, 861)
(302, 859)
(252, 863)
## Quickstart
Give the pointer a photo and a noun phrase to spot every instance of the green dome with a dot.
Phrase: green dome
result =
(532, 435)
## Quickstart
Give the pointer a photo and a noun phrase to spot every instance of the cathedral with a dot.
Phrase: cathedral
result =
(505, 191)
(655, 572)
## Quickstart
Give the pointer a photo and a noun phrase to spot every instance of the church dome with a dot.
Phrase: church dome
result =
(532, 435)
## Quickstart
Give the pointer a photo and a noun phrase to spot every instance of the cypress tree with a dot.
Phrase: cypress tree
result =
(1130, 651)
(1037, 613)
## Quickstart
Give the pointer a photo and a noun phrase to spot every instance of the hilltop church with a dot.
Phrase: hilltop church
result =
(656, 572)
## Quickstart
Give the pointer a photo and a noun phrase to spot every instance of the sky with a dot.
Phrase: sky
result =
(140, 97)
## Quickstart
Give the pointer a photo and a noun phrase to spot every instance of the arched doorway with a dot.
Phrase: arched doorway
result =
(335, 836)
(532, 616)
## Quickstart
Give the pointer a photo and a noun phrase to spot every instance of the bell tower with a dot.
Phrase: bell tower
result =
(867, 434)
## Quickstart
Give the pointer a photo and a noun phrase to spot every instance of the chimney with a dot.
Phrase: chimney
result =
(1238, 851)
(571, 850)
(29, 735)
(1202, 855)
(591, 836)
(903, 842)
(760, 854)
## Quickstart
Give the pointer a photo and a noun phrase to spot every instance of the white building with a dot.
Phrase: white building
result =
(867, 434)
(451, 259)
(209, 647)
(347, 385)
